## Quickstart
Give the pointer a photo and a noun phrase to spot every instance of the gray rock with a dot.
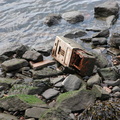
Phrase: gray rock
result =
(112, 83)
(56, 79)
(78, 102)
(13, 103)
(111, 20)
(4, 116)
(45, 72)
(72, 82)
(114, 51)
(109, 73)
(50, 93)
(13, 48)
(75, 33)
(116, 89)
(52, 19)
(101, 60)
(115, 40)
(103, 33)
(99, 41)
(106, 9)
(45, 48)
(35, 112)
(58, 85)
(33, 55)
(100, 92)
(96, 79)
(14, 64)
(73, 17)
(3, 58)
(86, 39)
(117, 94)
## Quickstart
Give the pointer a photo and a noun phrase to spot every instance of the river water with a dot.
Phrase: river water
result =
(22, 20)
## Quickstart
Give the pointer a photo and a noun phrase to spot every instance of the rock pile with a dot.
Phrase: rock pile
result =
(32, 88)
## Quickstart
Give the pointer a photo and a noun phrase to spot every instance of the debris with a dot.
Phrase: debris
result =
(71, 54)
(39, 65)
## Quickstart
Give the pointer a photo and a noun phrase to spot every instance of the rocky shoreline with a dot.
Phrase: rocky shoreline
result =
(34, 88)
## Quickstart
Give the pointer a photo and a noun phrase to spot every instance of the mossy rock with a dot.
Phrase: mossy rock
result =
(30, 99)
(20, 89)
(20, 102)
(7, 80)
(55, 114)
(69, 94)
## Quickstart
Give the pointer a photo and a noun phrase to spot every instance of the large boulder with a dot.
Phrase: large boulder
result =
(14, 64)
(106, 9)
(72, 82)
(33, 55)
(75, 33)
(13, 48)
(78, 102)
(52, 19)
(73, 17)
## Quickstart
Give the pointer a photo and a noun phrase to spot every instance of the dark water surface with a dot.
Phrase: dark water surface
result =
(22, 20)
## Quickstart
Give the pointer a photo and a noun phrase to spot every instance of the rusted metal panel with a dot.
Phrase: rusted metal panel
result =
(71, 54)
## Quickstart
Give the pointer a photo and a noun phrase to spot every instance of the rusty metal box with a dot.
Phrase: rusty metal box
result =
(71, 54)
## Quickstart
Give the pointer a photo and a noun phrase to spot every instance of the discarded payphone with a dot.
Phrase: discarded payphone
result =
(71, 54)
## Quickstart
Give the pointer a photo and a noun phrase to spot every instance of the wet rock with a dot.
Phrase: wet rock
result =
(13, 103)
(56, 79)
(75, 33)
(114, 51)
(103, 33)
(116, 89)
(86, 39)
(4, 116)
(78, 102)
(45, 72)
(50, 93)
(13, 48)
(109, 73)
(35, 112)
(111, 20)
(106, 9)
(100, 92)
(72, 82)
(115, 40)
(112, 83)
(32, 55)
(99, 41)
(52, 19)
(73, 17)
(14, 64)
(96, 79)
(94, 29)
